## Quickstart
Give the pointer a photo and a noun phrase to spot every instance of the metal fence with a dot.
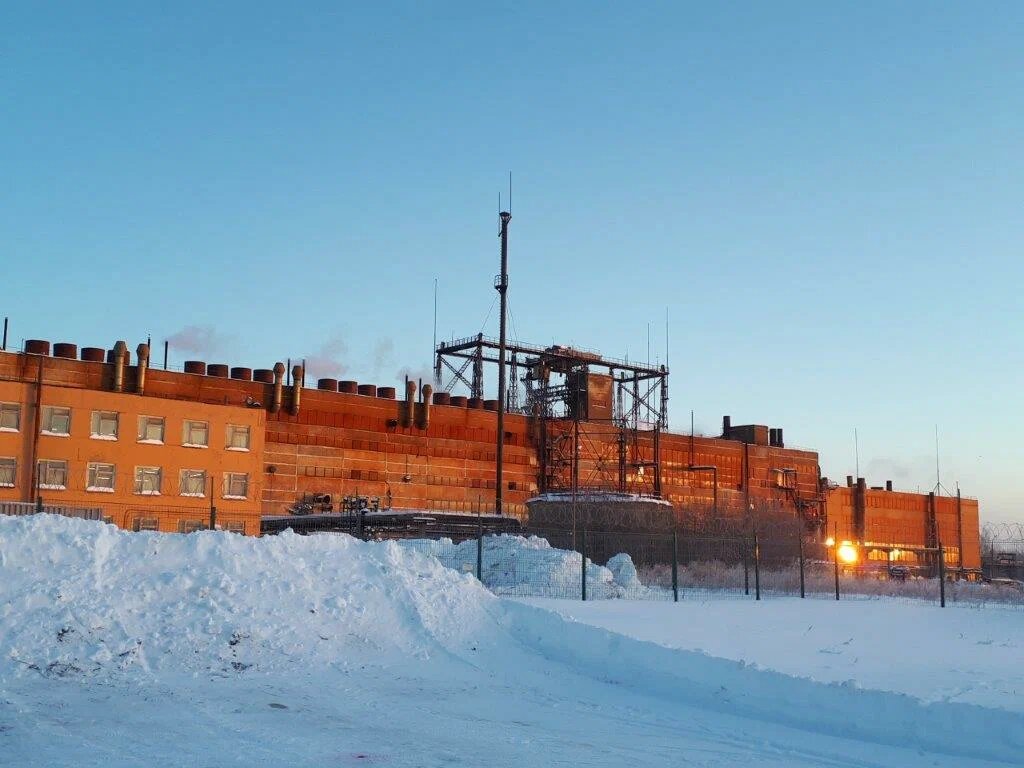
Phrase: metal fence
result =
(707, 560)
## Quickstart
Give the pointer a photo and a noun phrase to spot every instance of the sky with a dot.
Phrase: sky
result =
(823, 197)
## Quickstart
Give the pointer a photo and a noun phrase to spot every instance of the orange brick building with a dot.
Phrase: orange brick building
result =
(156, 449)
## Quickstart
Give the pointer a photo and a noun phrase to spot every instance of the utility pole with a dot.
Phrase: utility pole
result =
(501, 285)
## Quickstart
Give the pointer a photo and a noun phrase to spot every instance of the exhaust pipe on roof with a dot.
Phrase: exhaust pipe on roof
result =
(297, 380)
(408, 405)
(120, 353)
(278, 387)
(426, 393)
(143, 353)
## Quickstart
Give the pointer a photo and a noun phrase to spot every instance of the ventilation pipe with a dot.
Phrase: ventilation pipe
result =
(278, 387)
(297, 378)
(120, 353)
(140, 382)
(405, 416)
(726, 427)
(426, 393)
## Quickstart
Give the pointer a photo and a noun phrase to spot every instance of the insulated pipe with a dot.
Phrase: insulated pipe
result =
(120, 353)
(405, 416)
(278, 387)
(297, 378)
(426, 392)
(140, 381)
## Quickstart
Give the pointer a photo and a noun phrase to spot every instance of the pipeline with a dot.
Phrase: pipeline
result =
(278, 387)
(298, 375)
(120, 353)
(140, 384)
(423, 413)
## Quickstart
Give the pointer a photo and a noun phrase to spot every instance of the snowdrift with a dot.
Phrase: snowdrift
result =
(84, 603)
(510, 564)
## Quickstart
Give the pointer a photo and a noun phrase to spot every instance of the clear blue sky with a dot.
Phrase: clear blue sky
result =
(826, 197)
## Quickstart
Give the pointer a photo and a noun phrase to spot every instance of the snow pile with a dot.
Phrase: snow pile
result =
(86, 599)
(516, 565)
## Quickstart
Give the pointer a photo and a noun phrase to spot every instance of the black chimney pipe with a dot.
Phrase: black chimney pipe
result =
(501, 286)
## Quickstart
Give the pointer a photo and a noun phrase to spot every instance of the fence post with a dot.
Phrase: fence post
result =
(675, 567)
(583, 569)
(479, 547)
(800, 544)
(757, 568)
(942, 576)
(835, 556)
(746, 567)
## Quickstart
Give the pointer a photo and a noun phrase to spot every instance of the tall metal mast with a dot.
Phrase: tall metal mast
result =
(501, 285)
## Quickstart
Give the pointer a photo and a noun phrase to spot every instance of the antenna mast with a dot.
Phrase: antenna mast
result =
(501, 286)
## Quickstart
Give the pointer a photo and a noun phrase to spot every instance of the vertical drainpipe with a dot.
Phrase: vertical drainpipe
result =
(120, 353)
(746, 477)
(275, 406)
(959, 530)
(860, 511)
(297, 381)
(143, 355)
(37, 418)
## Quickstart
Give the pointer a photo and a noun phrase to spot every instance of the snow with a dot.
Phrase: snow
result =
(512, 565)
(150, 441)
(599, 497)
(49, 433)
(111, 438)
(961, 654)
(99, 489)
(125, 649)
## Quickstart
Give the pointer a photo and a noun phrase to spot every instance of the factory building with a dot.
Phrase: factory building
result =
(157, 449)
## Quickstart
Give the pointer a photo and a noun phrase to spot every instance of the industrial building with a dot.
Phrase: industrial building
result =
(152, 448)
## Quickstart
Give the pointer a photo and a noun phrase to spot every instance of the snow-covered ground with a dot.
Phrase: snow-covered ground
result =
(121, 649)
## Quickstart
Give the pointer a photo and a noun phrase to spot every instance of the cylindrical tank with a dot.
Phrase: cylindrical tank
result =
(63, 349)
(490, 405)
(195, 366)
(245, 374)
(369, 390)
(263, 375)
(329, 384)
(459, 401)
(387, 393)
(37, 347)
(348, 387)
(442, 398)
(217, 369)
(475, 402)
(93, 354)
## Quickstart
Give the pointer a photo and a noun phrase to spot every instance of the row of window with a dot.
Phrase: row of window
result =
(149, 481)
(105, 425)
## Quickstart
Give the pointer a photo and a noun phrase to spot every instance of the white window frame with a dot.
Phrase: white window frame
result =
(96, 424)
(235, 430)
(93, 474)
(192, 475)
(145, 424)
(44, 469)
(10, 413)
(49, 411)
(142, 472)
(12, 462)
(229, 489)
(187, 434)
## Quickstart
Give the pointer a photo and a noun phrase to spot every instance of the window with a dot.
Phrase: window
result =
(8, 472)
(151, 429)
(147, 481)
(101, 477)
(145, 524)
(236, 485)
(104, 425)
(53, 474)
(56, 420)
(10, 417)
(238, 438)
(191, 526)
(193, 482)
(196, 434)
(234, 526)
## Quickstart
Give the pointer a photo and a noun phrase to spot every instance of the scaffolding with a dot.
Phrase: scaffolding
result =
(597, 420)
